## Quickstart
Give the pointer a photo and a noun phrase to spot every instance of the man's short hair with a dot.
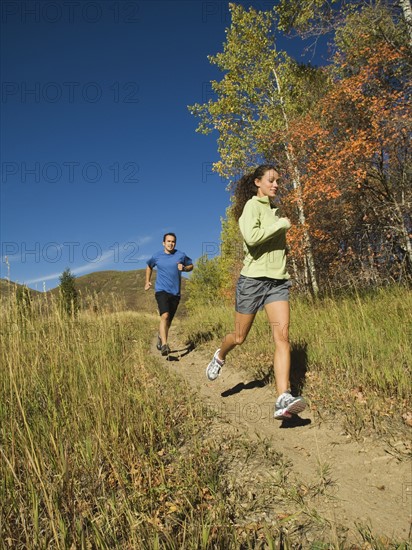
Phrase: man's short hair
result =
(171, 234)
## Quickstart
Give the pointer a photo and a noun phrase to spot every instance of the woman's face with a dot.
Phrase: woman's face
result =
(268, 184)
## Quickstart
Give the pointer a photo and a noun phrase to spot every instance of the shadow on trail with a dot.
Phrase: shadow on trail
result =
(299, 366)
(249, 386)
(295, 422)
(177, 354)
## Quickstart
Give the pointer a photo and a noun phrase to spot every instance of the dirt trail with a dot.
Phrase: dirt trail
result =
(370, 485)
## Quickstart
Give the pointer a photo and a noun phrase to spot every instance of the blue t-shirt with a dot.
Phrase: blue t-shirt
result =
(168, 276)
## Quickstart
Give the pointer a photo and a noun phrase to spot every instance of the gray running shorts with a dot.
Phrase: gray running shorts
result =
(252, 294)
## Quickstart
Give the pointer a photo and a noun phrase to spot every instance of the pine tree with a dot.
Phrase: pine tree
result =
(69, 298)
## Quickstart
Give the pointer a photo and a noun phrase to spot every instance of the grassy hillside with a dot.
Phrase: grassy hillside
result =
(7, 288)
(102, 448)
(107, 289)
(99, 449)
(113, 290)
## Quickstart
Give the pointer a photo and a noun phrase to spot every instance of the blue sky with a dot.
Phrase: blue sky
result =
(99, 153)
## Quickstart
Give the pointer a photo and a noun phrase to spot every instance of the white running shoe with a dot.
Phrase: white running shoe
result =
(214, 367)
(287, 405)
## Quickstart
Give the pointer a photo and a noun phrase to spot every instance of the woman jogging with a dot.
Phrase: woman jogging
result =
(263, 282)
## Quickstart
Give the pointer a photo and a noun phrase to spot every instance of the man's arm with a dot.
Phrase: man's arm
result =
(189, 265)
(184, 268)
(149, 272)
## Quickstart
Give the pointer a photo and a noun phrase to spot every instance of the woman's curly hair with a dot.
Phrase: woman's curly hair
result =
(245, 188)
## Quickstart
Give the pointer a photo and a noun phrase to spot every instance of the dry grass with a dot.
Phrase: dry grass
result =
(101, 448)
(98, 448)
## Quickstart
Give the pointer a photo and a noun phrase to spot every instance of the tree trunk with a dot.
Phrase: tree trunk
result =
(406, 241)
(310, 262)
(407, 14)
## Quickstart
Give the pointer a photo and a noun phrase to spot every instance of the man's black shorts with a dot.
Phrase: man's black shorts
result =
(167, 303)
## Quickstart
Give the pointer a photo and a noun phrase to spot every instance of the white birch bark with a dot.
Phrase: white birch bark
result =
(298, 187)
(407, 14)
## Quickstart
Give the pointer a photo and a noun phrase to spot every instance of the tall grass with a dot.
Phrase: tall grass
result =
(100, 447)
(352, 350)
(97, 447)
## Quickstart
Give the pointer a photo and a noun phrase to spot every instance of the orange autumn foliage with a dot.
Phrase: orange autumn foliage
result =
(355, 130)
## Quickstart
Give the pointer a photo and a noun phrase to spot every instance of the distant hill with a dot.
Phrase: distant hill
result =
(9, 287)
(122, 288)
(108, 289)
(105, 289)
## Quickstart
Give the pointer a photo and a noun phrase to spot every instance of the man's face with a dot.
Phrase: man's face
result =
(169, 243)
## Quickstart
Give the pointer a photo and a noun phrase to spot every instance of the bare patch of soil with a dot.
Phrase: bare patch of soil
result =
(277, 471)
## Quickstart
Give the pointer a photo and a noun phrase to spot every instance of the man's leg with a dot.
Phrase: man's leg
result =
(172, 305)
(163, 307)
(164, 327)
(168, 304)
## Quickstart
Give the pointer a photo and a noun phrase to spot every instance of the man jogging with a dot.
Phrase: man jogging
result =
(169, 263)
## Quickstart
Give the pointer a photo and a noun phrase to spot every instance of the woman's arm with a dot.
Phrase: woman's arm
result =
(252, 231)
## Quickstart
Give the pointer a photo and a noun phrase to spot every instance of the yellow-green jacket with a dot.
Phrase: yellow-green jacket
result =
(264, 236)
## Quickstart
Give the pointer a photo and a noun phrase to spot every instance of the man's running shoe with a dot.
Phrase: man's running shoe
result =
(287, 405)
(165, 350)
(159, 343)
(214, 367)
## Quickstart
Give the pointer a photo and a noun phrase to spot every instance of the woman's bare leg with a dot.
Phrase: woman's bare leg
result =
(243, 324)
(278, 314)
